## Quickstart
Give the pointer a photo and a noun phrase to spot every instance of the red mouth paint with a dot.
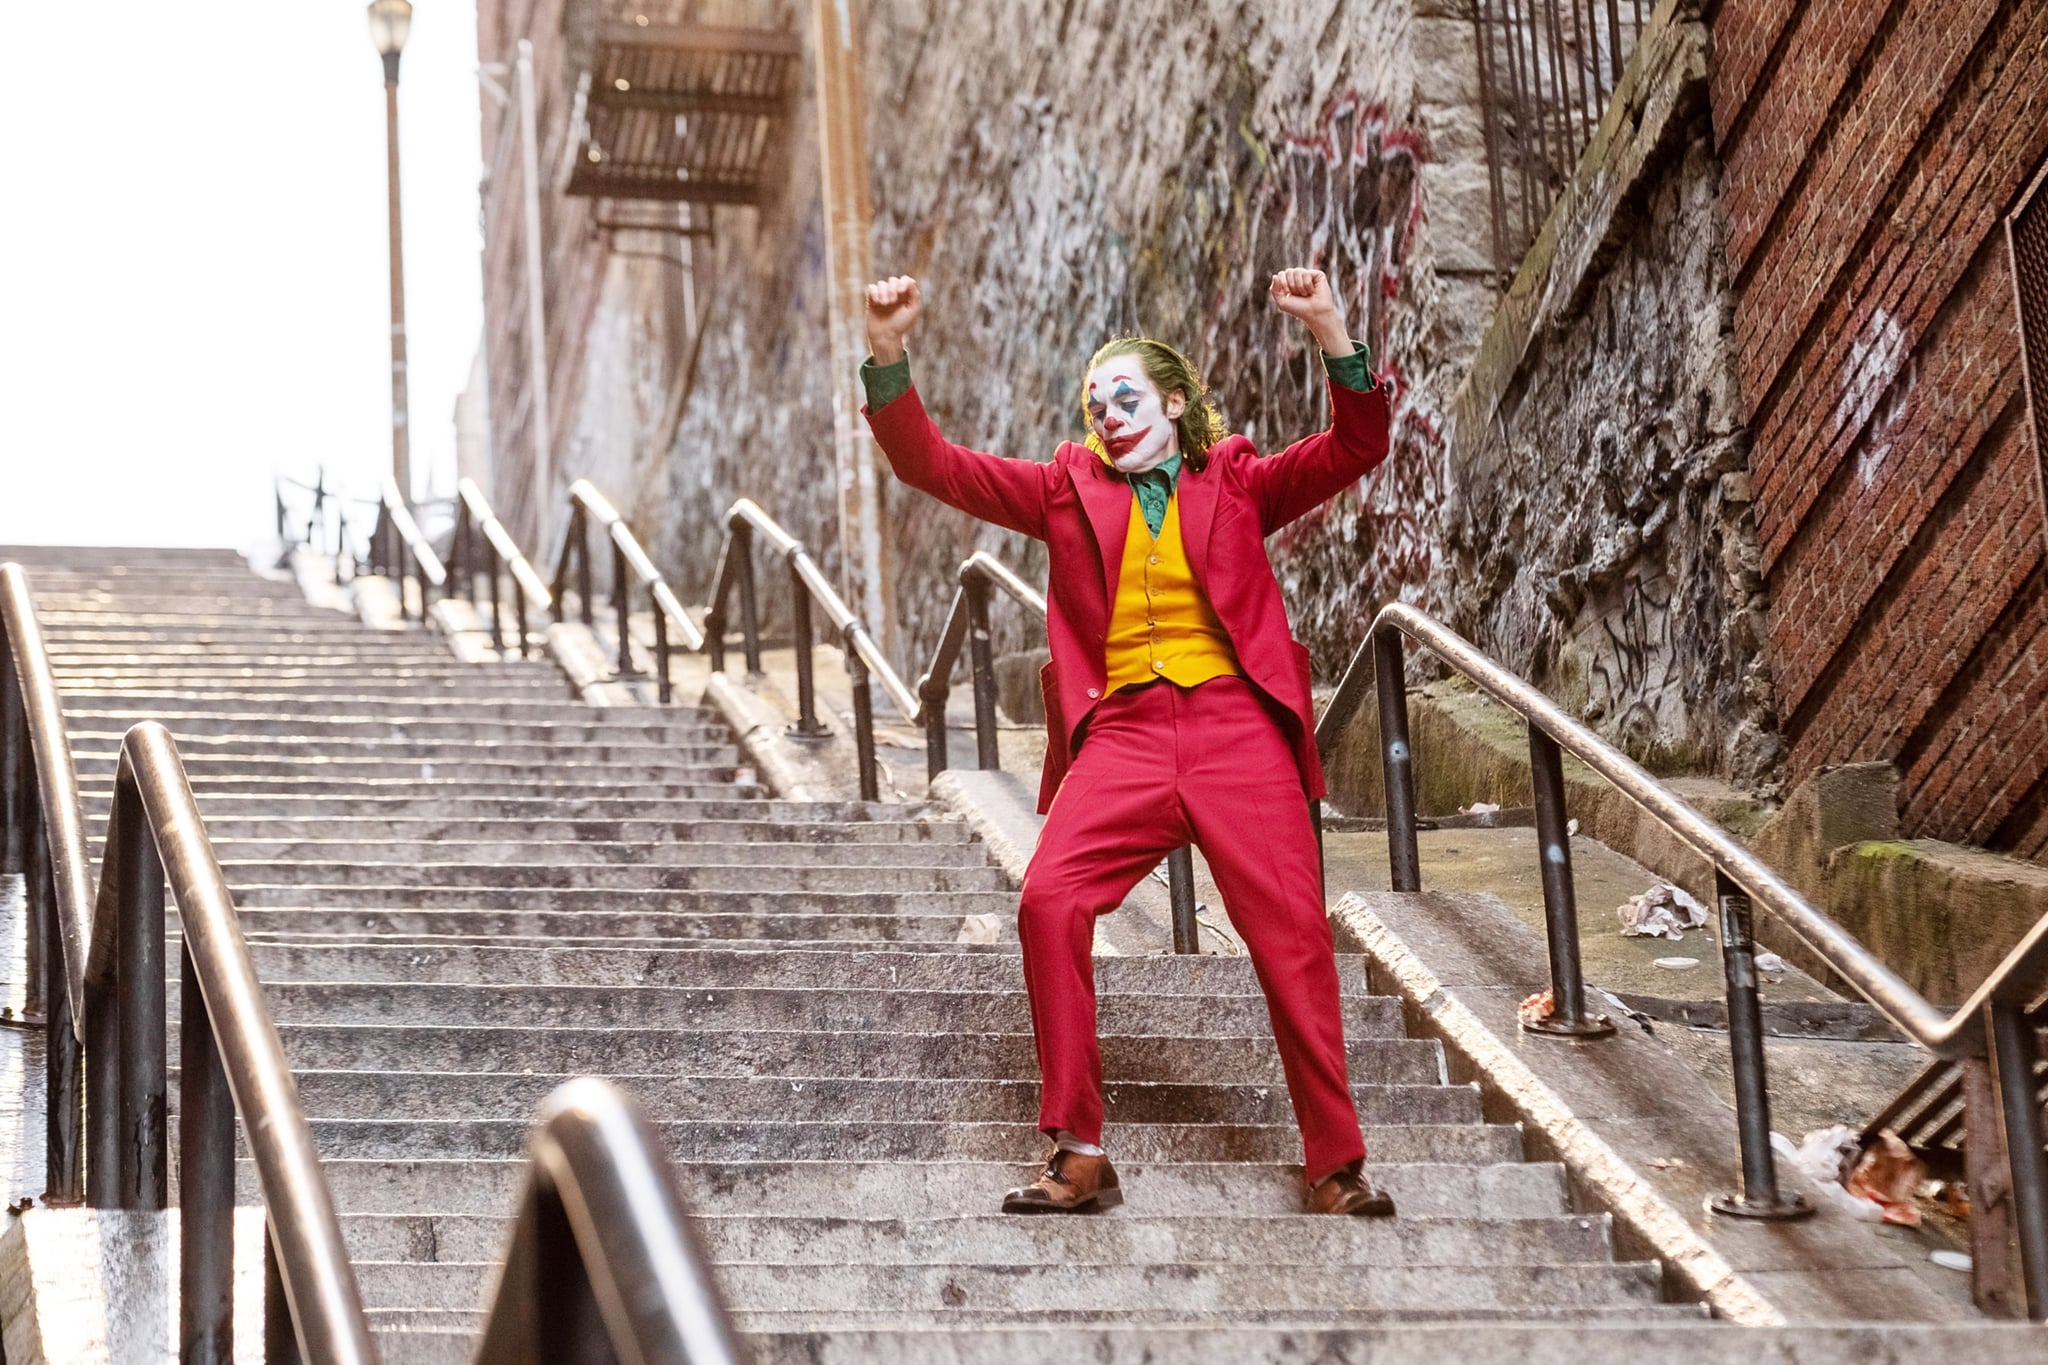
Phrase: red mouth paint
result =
(1120, 446)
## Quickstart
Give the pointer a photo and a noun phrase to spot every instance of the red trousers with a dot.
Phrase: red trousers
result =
(1161, 767)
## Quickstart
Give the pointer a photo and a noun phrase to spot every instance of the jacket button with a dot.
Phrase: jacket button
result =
(1094, 691)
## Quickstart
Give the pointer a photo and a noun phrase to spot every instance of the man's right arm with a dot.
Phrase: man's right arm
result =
(1010, 493)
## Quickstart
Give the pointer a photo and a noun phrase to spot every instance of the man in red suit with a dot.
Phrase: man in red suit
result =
(1177, 702)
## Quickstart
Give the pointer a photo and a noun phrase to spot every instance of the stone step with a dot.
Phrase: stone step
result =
(649, 835)
(778, 1008)
(454, 801)
(717, 1140)
(1068, 1289)
(412, 785)
(316, 688)
(142, 701)
(707, 1050)
(658, 727)
(532, 773)
(881, 926)
(946, 1187)
(237, 753)
(567, 857)
(391, 877)
(992, 1238)
(726, 967)
(475, 1095)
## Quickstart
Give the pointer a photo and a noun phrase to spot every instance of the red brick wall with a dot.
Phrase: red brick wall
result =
(1870, 151)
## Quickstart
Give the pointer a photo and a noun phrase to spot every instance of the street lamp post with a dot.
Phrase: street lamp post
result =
(390, 22)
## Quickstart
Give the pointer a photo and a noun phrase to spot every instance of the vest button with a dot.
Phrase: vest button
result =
(1158, 666)
(1153, 560)
(1094, 691)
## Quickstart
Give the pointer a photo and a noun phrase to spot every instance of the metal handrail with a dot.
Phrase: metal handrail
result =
(401, 551)
(473, 517)
(1990, 1024)
(586, 503)
(601, 1237)
(108, 1147)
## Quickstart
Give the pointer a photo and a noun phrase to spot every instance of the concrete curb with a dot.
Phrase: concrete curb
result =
(1597, 1166)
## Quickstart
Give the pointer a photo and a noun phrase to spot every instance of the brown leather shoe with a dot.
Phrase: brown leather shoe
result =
(1348, 1191)
(1072, 1183)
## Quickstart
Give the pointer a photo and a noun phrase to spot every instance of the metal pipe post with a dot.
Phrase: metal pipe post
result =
(206, 1183)
(280, 1335)
(1759, 1197)
(981, 656)
(936, 757)
(538, 423)
(807, 726)
(581, 532)
(622, 609)
(401, 452)
(664, 690)
(863, 723)
(1568, 1016)
(1404, 856)
(103, 1091)
(39, 902)
(750, 606)
(139, 979)
(2014, 1054)
(1180, 891)
(14, 764)
(64, 1097)
(497, 606)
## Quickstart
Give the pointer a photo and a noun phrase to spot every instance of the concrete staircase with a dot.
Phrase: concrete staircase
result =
(464, 886)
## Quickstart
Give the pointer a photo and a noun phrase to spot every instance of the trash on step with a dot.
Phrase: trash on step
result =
(1951, 1260)
(1825, 1156)
(1536, 1008)
(1676, 964)
(743, 774)
(1888, 1175)
(1664, 1163)
(980, 929)
(1664, 910)
(1770, 967)
(1480, 808)
(1571, 829)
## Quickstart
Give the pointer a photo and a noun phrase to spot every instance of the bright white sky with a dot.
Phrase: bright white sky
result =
(193, 287)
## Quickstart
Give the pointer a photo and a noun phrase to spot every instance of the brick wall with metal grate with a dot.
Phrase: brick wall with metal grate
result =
(1871, 153)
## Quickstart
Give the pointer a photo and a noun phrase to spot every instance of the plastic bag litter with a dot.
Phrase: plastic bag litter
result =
(980, 929)
(1663, 911)
(1825, 1156)
(1770, 966)
(1874, 1186)
(1480, 808)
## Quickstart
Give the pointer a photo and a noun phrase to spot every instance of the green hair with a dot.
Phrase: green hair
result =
(1199, 425)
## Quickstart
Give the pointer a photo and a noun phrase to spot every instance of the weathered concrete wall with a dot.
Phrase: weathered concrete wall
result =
(1058, 173)
(1597, 524)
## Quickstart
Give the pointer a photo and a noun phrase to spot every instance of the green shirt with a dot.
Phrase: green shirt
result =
(1154, 488)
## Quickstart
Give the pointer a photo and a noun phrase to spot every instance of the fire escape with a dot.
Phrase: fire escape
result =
(679, 103)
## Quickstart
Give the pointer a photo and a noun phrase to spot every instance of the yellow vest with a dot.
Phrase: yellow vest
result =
(1161, 625)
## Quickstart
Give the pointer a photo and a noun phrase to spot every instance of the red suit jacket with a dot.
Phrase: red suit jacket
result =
(1081, 510)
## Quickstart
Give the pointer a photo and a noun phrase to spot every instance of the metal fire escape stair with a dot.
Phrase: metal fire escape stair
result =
(462, 886)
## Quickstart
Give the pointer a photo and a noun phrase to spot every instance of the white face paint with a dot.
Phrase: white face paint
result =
(1128, 415)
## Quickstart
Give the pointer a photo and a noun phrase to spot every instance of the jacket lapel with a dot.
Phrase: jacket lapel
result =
(1196, 494)
(1107, 500)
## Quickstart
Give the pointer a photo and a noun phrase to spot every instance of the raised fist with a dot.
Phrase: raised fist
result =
(1305, 294)
(893, 306)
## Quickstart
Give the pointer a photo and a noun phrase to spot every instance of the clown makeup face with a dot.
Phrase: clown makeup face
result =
(1130, 417)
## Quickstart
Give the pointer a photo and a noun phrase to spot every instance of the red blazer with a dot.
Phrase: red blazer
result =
(1081, 510)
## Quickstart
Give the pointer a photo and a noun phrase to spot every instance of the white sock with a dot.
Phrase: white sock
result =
(1067, 1142)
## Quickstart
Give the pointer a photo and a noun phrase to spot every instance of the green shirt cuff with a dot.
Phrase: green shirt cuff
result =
(885, 383)
(1353, 371)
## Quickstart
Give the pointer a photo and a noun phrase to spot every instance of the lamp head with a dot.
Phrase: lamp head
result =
(390, 22)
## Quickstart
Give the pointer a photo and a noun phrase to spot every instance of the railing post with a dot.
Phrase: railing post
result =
(39, 894)
(1568, 1016)
(2014, 1053)
(863, 722)
(932, 692)
(63, 1096)
(139, 978)
(981, 655)
(622, 609)
(206, 1183)
(1180, 893)
(280, 1337)
(14, 764)
(750, 610)
(1404, 856)
(497, 606)
(664, 690)
(579, 529)
(807, 726)
(1759, 1197)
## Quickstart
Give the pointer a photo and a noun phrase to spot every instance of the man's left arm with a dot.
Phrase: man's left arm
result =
(1312, 471)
